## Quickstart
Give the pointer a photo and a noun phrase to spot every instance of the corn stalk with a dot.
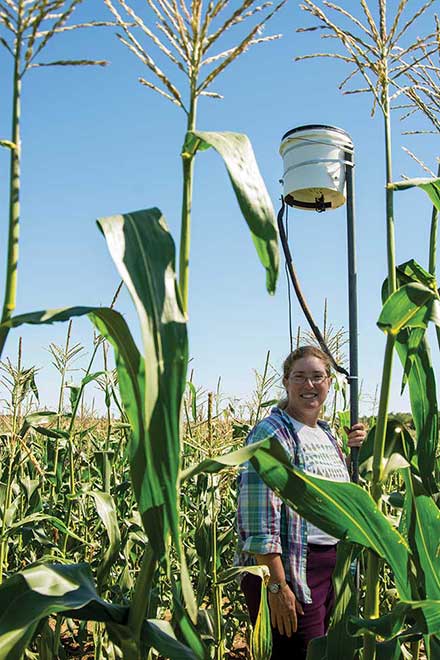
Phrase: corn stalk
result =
(186, 36)
(28, 28)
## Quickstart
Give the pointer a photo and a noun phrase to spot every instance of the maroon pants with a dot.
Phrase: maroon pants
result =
(321, 560)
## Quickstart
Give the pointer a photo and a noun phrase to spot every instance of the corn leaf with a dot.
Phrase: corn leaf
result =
(160, 635)
(422, 521)
(398, 453)
(415, 356)
(155, 633)
(432, 646)
(341, 509)
(430, 186)
(30, 596)
(234, 572)
(424, 617)
(250, 190)
(106, 509)
(411, 306)
(35, 519)
(261, 637)
(143, 252)
(412, 271)
(338, 642)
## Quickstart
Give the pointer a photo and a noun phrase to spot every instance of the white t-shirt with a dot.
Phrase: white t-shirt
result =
(323, 460)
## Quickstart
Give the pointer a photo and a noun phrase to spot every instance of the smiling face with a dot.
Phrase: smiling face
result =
(306, 398)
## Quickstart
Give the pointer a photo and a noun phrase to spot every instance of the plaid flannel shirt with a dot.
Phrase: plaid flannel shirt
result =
(265, 524)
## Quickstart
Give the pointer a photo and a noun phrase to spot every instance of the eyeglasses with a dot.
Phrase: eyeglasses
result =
(300, 379)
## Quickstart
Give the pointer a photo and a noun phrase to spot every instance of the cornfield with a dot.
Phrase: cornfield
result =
(117, 530)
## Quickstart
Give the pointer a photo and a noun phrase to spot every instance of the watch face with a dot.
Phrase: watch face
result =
(274, 587)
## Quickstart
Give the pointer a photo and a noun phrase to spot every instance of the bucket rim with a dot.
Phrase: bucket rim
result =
(309, 127)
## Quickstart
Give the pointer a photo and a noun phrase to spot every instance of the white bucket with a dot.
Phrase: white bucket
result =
(314, 160)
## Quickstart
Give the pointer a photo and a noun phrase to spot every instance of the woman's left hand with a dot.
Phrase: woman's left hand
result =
(356, 434)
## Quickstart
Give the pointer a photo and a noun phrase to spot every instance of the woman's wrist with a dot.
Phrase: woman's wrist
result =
(276, 586)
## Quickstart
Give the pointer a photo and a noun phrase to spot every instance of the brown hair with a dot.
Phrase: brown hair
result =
(297, 354)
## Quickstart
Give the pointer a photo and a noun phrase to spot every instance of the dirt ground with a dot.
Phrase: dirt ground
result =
(85, 651)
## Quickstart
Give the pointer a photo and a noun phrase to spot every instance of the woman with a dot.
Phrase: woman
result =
(301, 558)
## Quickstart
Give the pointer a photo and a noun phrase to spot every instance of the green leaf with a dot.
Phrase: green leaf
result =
(106, 509)
(423, 397)
(34, 421)
(343, 423)
(432, 646)
(232, 573)
(425, 613)
(74, 393)
(398, 452)
(412, 271)
(414, 340)
(160, 636)
(317, 649)
(143, 252)
(155, 633)
(261, 640)
(339, 642)
(430, 186)
(343, 510)
(411, 306)
(30, 486)
(413, 350)
(261, 637)
(30, 596)
(390, 650)
(90, 377)
(34, 388)
(188, 628)
(422, 520)
(193, 391)
(36, 518)
(250, 190)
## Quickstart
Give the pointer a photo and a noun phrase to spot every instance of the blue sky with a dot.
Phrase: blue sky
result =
(95, 143)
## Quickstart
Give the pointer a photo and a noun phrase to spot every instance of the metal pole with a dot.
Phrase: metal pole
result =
(352, 310)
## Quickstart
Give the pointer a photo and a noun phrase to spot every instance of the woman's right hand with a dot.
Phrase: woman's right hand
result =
(284, 610)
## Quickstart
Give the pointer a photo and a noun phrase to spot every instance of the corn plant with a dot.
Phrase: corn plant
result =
(187, 34)
(26, 28)
(376, 51)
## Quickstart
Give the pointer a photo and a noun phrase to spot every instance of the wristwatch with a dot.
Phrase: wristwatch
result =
(275, 587)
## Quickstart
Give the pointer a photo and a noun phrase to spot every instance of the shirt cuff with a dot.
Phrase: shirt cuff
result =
(262, 544)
